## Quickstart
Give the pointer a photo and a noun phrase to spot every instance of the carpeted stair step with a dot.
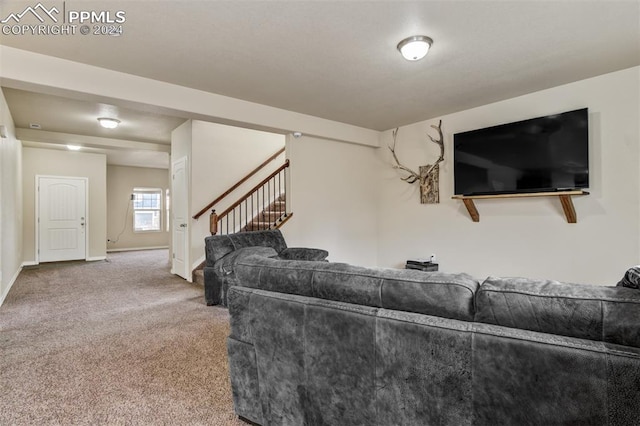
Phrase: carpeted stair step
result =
(198, 277)
(271, 215)
(257, 226)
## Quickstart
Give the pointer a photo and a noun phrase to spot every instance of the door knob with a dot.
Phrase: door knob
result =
(183, 225)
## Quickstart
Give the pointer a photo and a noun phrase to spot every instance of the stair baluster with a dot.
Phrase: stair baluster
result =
(265, 207)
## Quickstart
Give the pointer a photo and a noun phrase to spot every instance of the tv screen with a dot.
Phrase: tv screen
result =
(538, 155)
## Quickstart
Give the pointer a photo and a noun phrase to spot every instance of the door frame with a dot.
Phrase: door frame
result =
(86, 212)
(187, 237)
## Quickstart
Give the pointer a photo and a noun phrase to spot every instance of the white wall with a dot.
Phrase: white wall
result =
(121, 180)
(10, 202)
(333, 199)
(53, 162)
(527, 237)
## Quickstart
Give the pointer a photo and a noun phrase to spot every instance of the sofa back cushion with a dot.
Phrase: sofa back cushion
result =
(218, 246)
(609, 314)
(430, 293)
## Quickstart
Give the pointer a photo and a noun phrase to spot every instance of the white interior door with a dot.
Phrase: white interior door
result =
(62, 218)
(179, 224)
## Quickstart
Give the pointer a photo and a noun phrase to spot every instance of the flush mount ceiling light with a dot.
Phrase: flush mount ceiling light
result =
(415, 47)
(74, 147)
(108, 123)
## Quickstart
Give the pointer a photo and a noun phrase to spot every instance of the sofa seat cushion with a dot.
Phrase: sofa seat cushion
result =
(610, 314)
(431, 293)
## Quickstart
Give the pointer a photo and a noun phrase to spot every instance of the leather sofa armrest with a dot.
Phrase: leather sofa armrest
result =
(303, 253)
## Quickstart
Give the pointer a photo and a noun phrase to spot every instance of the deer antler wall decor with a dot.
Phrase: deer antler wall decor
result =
(429, 175)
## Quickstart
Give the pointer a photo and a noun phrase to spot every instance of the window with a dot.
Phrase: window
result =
(147, 209)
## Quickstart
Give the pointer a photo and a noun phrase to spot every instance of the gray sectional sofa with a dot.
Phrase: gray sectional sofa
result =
(317, 343)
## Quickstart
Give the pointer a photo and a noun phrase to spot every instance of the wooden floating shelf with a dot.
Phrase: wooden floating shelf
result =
(565, 200)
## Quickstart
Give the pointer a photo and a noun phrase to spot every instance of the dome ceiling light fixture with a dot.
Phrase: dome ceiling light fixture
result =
(108, 123)
(415, 47)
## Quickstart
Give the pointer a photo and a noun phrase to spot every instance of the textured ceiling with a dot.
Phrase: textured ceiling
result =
(338, 59)
(59, 114)
(331, 59)
(143, 138)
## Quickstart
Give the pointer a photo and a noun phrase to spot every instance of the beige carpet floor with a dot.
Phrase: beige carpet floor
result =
(115, 342)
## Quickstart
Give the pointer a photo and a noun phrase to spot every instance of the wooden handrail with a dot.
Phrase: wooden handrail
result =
(240, 182)
(255, 188)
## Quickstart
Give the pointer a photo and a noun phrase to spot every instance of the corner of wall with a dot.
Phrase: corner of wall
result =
(11, 210)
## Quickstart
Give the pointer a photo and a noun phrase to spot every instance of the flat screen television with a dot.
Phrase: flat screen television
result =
(542, 154)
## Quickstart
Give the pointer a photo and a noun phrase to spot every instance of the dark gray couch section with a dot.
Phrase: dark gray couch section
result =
(321, 362)
(244, 381)
(623, 386)
(608, 314)
(434, 293)
(430, 293)
(622, 318)
(308, 373)
(218, 246)
(535, 379)
(340, 361)
(423, 365)
(221, 276)
(223, 252)
(278, 333)
(240, 322)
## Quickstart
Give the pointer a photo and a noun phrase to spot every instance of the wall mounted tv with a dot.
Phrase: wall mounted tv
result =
(542, 154)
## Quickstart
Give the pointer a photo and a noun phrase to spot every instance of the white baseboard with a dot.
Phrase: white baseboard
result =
(198, 262)
(13, 280)
(95, 258)
(138, 248)
(88, 259)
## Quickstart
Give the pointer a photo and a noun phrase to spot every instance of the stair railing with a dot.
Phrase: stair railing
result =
(237, 184)
(244, 214)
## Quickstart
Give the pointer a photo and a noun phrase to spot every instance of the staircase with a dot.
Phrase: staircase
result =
(274, 216)
(263, 207)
